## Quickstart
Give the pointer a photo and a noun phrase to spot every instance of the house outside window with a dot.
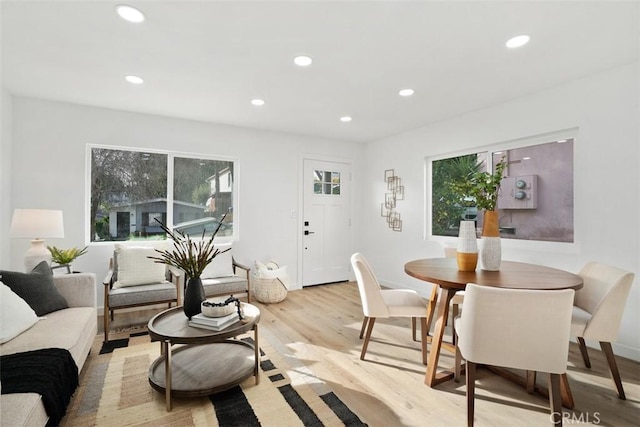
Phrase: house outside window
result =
(131, 190)
(536, 196)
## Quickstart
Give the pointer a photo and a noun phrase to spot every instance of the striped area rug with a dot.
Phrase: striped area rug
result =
(114, 391)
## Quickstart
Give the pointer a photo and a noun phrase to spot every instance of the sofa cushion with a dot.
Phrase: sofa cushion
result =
(135, 268)
(69, 329)
(221, 265)
(36, 288)
(26, 410)
(16, 316)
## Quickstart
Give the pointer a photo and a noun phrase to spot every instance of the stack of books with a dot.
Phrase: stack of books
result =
(213, 323)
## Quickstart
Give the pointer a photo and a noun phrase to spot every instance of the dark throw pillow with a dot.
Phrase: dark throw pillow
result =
(36, 288)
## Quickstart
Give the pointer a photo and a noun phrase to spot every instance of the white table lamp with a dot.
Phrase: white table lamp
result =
(36, 224)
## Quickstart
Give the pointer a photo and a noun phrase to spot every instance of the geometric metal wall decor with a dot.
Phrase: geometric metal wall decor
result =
(395, 192)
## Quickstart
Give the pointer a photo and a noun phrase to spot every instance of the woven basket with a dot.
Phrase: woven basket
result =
(269, 291)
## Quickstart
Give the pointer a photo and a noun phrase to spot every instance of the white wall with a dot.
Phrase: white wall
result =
(5, 176)
(603, 107)
(49, 151)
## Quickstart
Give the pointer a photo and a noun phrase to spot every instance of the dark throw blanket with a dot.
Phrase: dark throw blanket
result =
(50, 372)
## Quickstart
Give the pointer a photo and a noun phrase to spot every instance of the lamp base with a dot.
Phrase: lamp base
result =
(37, 253)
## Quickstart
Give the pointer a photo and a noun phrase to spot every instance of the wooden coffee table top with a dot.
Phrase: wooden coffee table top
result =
(173, 325)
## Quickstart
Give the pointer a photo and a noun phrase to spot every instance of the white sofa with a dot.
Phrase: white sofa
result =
(72, 328)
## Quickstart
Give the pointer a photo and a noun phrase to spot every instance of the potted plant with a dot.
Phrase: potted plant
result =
(64, 257)
(191, 257)
(484, 188)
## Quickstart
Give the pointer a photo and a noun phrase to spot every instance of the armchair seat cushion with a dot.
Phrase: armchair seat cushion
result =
(224, 285)
(142, 294)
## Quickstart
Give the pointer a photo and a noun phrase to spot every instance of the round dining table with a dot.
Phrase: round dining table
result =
(444, 273)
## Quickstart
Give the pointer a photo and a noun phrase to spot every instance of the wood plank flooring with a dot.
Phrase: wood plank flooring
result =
(320, 326)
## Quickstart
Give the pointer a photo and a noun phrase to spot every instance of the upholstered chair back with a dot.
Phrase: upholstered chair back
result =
(373, 305)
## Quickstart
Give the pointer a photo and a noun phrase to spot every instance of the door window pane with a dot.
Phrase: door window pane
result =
(326, 182)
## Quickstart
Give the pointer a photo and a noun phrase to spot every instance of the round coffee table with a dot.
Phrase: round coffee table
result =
(208, 361)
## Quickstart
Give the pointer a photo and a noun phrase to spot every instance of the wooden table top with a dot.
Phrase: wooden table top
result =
(513, 275)
(173, 325)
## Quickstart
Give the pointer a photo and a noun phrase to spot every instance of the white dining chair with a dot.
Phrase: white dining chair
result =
(515, 328)
(598, 312)
(386, 303)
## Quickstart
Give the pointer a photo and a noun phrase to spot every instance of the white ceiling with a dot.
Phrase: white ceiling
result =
(205, 60)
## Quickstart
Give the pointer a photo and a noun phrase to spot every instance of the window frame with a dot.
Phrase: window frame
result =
(171, 155)
(538, 245)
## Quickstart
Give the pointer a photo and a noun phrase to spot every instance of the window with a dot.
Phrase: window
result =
(536, 195)
(326, 182)
(132, 190)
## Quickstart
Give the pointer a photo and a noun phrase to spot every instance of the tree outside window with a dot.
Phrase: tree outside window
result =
(536, 196)
(129, 191)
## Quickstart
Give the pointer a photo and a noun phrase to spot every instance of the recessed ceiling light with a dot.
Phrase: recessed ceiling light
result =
(517, 41)
(129, 13)
(302, 61)
(134, 80)
(346, 119)
(526, 158)
(257, 102)
(406, 92)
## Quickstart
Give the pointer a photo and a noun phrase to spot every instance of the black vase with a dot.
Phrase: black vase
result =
(193, 297)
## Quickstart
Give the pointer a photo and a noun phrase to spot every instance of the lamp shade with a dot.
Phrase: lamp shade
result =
(37, 224)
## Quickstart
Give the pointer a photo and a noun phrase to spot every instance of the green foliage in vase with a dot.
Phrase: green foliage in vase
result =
(482, 187)
(65, 256)
(188, 255)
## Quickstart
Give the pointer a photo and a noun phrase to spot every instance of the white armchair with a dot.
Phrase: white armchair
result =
(515, 328)
(598, 312)
(135, 280)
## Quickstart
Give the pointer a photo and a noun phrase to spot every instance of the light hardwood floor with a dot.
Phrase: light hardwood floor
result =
(320, 326)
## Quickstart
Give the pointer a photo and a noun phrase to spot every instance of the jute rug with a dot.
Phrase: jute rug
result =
(114, 391)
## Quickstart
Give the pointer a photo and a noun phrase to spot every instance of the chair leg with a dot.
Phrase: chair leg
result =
(372, 320)
(455, 310)
(583, 351)
(457, 363)
(555, 400)
(364, 325)
(613, 366)
(423, 338)
(531, 382)
(471, 390)
(413, 328)
(106, 322)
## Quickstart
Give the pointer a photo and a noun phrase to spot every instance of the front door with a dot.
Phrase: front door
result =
(326, 222)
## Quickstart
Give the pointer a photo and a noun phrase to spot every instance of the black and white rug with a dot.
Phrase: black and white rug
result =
(114, 391)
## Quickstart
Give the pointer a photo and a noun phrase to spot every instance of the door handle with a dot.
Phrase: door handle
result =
(307, 232)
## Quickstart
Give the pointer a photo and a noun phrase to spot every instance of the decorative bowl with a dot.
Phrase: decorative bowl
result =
(217, 311)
